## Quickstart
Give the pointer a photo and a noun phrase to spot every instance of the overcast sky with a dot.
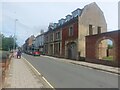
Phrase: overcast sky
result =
(34, 16)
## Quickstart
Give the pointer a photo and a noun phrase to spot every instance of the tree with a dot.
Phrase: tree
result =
(1, 36)
(8, 43)
(110, 46)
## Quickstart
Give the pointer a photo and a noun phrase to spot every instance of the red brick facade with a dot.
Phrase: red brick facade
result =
(65, 33)
(92, 41)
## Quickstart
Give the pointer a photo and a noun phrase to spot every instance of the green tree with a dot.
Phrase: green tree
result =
(8, 43)
(1, 36)
(110, 46)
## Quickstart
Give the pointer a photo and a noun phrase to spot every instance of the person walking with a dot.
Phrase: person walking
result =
(19, 54)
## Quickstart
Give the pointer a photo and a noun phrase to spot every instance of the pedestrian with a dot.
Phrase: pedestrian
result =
(19, 54)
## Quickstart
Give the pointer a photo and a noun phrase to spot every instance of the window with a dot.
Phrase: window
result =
(71, 31)
(99, 30)
(47, 39)
(58, 35)
(90, 30)
(59, 47)
(51, 37)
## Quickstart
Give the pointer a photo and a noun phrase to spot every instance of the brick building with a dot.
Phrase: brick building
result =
(70, 38)
(72, 32)
(67, 37)
(29, 43)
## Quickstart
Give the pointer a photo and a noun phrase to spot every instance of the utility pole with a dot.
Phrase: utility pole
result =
(14, 47)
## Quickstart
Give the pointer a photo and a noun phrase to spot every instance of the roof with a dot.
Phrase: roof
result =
(40, 35)
(72, 20)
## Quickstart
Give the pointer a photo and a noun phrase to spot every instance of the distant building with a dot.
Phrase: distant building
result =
(67, 37)
(49, 41)
(31, 40)
(39, 42)
(28, 46)
(46, 43)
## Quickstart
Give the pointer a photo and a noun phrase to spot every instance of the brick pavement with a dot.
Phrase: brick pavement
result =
(21, 76)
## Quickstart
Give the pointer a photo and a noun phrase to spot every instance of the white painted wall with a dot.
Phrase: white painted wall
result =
(39, 41)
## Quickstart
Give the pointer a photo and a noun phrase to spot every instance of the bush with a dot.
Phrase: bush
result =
(4, 55)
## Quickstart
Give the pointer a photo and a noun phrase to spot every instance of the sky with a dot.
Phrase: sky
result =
(34, 15)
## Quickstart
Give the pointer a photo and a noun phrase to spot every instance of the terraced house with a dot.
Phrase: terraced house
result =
(29, 43)
(67, 37)
(39, 42)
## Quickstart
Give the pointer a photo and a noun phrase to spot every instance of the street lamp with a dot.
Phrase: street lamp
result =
(15, 34)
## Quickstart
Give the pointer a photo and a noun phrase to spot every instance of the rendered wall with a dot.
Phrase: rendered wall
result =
(91, 14)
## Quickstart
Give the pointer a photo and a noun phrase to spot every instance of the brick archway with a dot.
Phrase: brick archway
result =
(105, 49)
(93, 40)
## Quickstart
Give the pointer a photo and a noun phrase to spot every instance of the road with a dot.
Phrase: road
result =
(67, 75)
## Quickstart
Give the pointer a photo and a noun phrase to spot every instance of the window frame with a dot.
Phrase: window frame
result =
(71, 31)
(90, 29)
(99, 30)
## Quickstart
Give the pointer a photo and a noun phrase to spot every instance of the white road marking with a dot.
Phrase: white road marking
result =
(38, 73)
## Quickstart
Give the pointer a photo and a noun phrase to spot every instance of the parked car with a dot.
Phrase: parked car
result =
(36, 53)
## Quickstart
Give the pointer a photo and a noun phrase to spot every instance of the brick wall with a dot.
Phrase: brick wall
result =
(91, 42)
(65, 34)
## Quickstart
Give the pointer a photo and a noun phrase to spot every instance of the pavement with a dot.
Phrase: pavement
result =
(105, 68)
(20, 75)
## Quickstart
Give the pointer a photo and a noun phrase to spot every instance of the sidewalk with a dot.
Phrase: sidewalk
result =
(105, 68)
(21, 76)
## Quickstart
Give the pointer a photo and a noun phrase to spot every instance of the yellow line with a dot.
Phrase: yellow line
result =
(38, 73)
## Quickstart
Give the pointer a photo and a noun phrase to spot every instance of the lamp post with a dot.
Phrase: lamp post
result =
(14, 47)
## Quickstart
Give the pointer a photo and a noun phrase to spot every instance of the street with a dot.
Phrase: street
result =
(66, 75)
(59, 44)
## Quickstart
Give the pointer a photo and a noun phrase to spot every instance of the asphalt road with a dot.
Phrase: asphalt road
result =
(67, 75)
